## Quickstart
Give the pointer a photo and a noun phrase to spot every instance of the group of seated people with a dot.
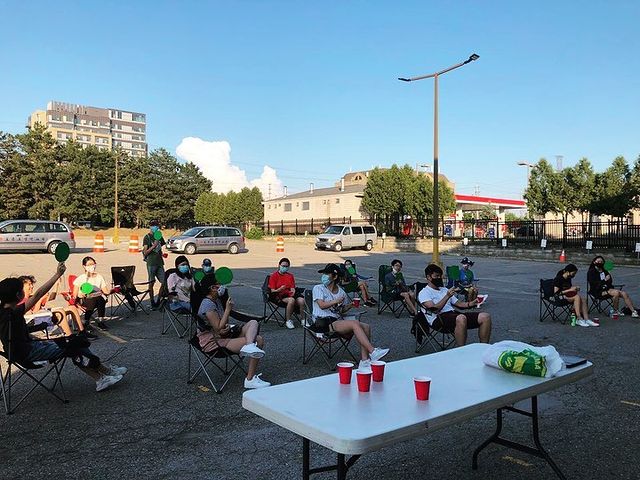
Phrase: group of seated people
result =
(600, 283)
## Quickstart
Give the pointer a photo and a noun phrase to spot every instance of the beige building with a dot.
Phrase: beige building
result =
(106, 128)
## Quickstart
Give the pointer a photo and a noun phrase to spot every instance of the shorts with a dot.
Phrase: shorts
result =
(323, 324)
(45, 350)
(155, 271)
(447, 321)
(209, 342)
(180, 306)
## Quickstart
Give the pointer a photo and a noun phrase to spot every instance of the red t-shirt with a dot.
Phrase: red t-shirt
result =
(277, 279)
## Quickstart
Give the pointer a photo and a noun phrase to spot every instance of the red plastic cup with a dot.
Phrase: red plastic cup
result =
(356, 302)
(423, 385)
(165, 255)
(378, 370)
(364, 380)
(344, 372)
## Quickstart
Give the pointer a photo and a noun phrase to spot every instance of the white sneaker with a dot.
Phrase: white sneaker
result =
(634, 314)
(620, 313)
(582, 323)
(105, 381)
(251, 350)
(256, 382)
(378, 353)
(591, 323)
(115, 370)
(305, 323)
(290, 324)
(364, 365)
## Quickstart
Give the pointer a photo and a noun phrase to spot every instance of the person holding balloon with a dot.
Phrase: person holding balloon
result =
(601, 285)
(89, 291)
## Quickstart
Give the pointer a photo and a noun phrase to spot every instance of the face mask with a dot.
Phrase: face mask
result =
(206, 269)
(283, 269)
(221, 290)
(325, 279)
(438, 282)
(183, 268)
(155, 228)
(90, 268)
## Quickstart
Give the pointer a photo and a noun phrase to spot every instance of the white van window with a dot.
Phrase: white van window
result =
(12, 228)
(369, 230)
(346, 231)
(56, 227)
(232, 232)
(357, 230)
(333, 230)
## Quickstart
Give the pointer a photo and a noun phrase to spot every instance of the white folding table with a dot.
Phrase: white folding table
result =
(341, 419)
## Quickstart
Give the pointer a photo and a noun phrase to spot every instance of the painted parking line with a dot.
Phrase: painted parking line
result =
(630, 403)
(113, 337)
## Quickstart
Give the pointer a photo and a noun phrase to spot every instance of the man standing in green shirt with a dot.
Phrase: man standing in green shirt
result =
(152, 253)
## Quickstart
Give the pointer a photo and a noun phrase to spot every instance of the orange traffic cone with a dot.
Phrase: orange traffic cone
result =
(98, 243)
(134, 246)
(279, 245)
(563, 257)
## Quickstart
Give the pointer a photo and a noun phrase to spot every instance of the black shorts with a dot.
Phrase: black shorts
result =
(323, 324)
(447, 321)
(234, 332)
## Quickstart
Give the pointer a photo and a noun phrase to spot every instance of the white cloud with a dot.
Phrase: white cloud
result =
(214, 160)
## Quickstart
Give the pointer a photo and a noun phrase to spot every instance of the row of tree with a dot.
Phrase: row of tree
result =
(44, 180)
(233, 208)
(579, 189)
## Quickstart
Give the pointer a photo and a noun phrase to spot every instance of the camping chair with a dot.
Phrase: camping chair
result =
(179, 320)
(68, 296)
(425, 334)
(550, 303)
(453, 279)
(331, 344)
(388, 299)
(221, 359)
(8, 380)
(595, 302)
(122, 278)
(274, 307)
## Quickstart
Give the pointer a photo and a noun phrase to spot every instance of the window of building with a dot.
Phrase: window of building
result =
(287, 207)
(269, 207)
(358, 177)
(137, 117)
(337, 200)
(305, 205)
(324, 202)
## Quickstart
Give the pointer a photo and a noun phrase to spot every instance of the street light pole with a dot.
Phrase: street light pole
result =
(116, 222)
(435, 258)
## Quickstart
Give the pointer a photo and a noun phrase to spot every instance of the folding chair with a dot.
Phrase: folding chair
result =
(331, 344)
(273, 307)
(122, 277)
(595, 302)
(221, 359)
(425, 334)
(388, 299)
(549, 303)
(453, 279)
(179, 320)
(8, 379)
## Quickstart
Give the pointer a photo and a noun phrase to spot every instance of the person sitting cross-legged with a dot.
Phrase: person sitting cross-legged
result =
(437, 304)
(215, 331)
(282, 291)
(601, 286)
(331, 307)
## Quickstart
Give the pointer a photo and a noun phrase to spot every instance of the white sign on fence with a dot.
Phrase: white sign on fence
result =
(589, 244)
(384, 235)
(465, 241)
(637, 247)
(543, 243)
(504, 243)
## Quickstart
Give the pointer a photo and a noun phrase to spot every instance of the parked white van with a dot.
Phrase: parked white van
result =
(337, 237)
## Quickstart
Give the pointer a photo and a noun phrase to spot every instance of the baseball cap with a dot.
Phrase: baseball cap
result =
(466, 261)
(206, 262)
(330, 268)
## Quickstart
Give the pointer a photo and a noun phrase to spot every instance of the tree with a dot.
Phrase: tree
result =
(580, 181)
(15, 194)
(542, 193)
(378, 198)
(446, 199)
(614, 192)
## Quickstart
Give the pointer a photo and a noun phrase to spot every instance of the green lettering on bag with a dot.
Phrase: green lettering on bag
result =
(526, 362)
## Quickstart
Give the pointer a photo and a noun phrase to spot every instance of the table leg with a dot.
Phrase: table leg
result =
(342, 467)
(305, 459)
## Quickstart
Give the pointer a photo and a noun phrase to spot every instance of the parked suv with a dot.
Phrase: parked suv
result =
(337, 237)
(34, 235)
(207, 238)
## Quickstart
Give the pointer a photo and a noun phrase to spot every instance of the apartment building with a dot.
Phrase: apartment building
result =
(106, 128)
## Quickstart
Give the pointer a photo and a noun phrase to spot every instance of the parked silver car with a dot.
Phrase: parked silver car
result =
(35, 235)
(207, 238)
(337, 237)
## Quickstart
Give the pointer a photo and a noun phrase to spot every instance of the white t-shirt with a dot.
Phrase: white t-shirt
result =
(435, 296)
(97, 281)
(320, 292)
(181, 286)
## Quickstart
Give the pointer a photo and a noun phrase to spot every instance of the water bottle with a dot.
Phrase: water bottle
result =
(611, 312)
(573, 319)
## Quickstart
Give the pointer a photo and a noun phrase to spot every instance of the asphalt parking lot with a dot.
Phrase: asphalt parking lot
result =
(154, 425)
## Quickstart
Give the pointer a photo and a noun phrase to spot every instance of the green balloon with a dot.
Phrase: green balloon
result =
(86, 288)
(224, 275)
(608, 265)
(62, 251)
(199, 275)
(157, 235)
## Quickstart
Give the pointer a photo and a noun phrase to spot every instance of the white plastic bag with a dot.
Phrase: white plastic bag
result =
(518, 357)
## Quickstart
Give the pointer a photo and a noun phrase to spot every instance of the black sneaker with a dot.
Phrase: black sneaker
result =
(101, 325)
(88, 334)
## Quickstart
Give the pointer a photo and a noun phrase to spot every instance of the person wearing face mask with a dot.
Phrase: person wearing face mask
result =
(152, 254)
(282, 291)
(16, 341)
(330, 314)
(180, 285)
(96, 299)
(438, 304)
(350, 275)
(601, 286)
(563, 290)
(394, 283)
(215, 331)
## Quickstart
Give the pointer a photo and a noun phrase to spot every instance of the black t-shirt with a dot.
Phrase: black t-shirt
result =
(597, 282)
(561, 282)
(14, 326)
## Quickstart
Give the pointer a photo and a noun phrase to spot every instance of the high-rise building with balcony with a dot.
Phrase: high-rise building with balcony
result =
(106, 128)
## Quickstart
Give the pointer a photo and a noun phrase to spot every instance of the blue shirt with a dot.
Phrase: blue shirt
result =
(466, 277)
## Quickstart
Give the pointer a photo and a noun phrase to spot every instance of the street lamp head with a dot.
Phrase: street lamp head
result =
(525, 164)
(474, 57)
(404, 79)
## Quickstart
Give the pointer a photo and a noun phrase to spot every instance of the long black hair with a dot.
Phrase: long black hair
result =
(181, 259)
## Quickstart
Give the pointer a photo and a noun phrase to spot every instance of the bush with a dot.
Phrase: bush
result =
(254, 233)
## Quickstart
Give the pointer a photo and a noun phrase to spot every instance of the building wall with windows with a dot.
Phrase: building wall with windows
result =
(105, 128)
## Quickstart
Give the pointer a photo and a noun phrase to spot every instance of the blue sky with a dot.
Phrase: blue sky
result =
(310, 89)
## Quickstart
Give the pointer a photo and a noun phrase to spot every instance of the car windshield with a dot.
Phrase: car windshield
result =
(333, 230)
(192, 232)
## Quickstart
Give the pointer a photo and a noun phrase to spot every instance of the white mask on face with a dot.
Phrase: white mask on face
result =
(90, 268)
